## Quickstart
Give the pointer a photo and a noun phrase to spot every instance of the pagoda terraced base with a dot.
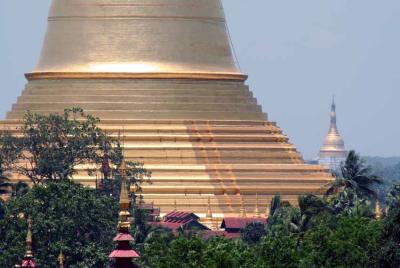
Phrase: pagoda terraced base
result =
(226, 161)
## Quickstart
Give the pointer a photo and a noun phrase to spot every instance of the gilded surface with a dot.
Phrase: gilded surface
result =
(199, 129)
(136, 36)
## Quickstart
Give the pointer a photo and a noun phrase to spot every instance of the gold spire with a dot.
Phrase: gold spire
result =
(378, 210)
(243, 210)
(209, 212)
(175, 206)
(124, 223)
(257, 211)
(61, 259)
(29, 253)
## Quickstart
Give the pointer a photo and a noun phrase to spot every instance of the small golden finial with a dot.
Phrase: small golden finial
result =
(29, 253)
(257, 213)
(209, 212)
(124, 214)
(378, 210)
(61, 259)
(242, 210)
(175, 206)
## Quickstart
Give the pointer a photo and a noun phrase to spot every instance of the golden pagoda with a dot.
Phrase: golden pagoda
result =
(164, 71)
(333, 151)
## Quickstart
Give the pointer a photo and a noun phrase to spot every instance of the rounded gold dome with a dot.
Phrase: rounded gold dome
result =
(156, 38)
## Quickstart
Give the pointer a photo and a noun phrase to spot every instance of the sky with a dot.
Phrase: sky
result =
(298, 54)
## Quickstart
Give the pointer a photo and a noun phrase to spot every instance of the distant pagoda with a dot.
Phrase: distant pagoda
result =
(124, 255)
(333, 151)
(165, 72)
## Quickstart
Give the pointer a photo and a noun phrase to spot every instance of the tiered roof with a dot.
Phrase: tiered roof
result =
(124, 254)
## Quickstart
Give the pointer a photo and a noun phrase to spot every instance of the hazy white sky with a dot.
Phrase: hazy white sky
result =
(297, 54)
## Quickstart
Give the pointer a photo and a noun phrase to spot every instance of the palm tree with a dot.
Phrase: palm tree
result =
(312, 206)
(355, 176)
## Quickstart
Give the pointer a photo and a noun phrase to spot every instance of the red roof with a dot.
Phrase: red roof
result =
(124, 254)
(240, 223)
(180, 216)
(178, 219)
(123, 237)
(28, 263)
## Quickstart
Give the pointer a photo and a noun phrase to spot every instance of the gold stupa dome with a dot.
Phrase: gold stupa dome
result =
(136, 38)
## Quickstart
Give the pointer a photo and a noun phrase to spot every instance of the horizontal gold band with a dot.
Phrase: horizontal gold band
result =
(101, 75)
(127, 17)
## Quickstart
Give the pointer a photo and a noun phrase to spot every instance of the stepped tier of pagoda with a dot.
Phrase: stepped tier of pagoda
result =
(164, 72)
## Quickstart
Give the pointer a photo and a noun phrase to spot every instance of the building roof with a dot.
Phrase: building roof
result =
(124, 254)
(180, 216)
(240, 223)
(28, 263)
(123, 237)
(175, 220)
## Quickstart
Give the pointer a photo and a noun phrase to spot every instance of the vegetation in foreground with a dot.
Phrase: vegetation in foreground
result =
(338, 230)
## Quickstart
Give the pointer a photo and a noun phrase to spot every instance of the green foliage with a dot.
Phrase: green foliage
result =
(350, 242)
(279, 249)
(253, 232)
(140, 229)
(393, 197)
(312, 208)
(164, 250)
(5, 183)
(356, 176)
(283, 217)
(135, 174)
(51, 146)
(389, 253)
(66, 216)
(2, 209)
(20, 188)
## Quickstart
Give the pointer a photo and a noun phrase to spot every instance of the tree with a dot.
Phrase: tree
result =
(393, 197)
(136, 175)
(278, 249)
(51, 146)
(253, 232)
(20, 188)
(2, 209)
(311, 209)
(283, 216)
(5, 184)
(356, 176)
(389, 254)
(349, 242)
(66, 216)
